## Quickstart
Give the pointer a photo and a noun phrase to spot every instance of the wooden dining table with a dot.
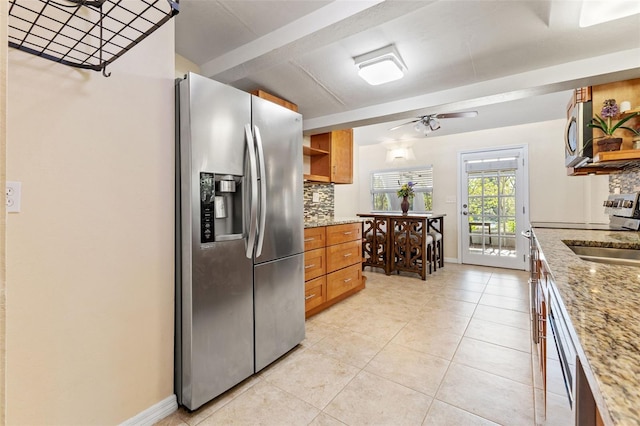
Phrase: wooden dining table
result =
(397, 242)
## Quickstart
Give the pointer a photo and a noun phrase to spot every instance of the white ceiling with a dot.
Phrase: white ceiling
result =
(513, 61)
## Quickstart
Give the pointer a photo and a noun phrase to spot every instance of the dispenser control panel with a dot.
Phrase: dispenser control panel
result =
(207, 207)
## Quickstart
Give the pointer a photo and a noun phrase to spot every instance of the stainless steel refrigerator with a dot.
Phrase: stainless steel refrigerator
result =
(239, 237)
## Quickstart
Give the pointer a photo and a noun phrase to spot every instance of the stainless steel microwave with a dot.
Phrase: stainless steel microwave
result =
(578, 138)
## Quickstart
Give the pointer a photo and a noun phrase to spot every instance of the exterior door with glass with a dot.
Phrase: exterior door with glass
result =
(494, 194)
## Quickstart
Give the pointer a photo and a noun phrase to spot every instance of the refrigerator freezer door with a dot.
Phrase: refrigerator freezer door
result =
(281, 133)
(214, 306)
(279, 308)
(217, 114)
(217, 323)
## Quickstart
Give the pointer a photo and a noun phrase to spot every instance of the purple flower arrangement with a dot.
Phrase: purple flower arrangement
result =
(610, 110)
(406, 190)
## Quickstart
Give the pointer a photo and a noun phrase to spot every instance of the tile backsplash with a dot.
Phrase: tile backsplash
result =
(628, 181)
(324, 207)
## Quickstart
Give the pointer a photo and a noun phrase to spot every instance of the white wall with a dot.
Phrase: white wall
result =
(90, 284)
(183, 66)
(553, 196)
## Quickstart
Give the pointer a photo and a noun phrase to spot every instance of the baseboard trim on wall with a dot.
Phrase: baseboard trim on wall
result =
(451, 260)
(154, 413)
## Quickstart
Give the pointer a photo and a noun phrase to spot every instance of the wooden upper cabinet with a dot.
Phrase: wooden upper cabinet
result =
(337, 164)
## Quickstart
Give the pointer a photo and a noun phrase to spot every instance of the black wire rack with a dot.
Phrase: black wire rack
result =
(87, 34)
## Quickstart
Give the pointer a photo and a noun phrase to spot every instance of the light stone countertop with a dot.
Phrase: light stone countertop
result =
(331, 221)
(603, 304)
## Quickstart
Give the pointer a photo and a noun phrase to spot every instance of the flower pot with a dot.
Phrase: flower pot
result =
(609, 144)
(404, 205)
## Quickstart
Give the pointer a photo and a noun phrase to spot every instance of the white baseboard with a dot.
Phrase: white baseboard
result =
(154, 413)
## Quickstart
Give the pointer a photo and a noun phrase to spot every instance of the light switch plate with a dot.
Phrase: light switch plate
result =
(315, 197)
(14, 193)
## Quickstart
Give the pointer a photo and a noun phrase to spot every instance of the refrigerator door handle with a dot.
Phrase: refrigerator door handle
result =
(263, 191)
(253, 208)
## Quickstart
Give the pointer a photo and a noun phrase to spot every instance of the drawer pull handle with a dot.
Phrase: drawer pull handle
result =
(347, 255)
(309, 266)
(311, 296)
(348, 233)
(306, 240)
(347, 280)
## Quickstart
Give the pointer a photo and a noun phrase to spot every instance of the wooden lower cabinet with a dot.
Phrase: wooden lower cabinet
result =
(343, 280)
(332, 272)
(315, 292)
(315, 264)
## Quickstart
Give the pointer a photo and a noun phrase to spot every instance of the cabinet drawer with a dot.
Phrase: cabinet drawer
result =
(314, 238)
(343, 280)
(337, 234)
(343, 255)
(315, 293)
(315, 263)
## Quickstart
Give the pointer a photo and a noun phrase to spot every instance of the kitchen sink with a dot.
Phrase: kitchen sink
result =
(609, 255)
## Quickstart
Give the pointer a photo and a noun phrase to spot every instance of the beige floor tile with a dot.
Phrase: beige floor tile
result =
(337, 315)
(509, 275)
(172, 420)
(264, 404)
(443, 414)
(410, 368)
(462, 295)
(350, 347)
(456, 306)
(506, 362)
(518, 291)
(313, 377)
(428, 340)
(195, 417)
(315, 331)
(375, 324)
(283, 362)
(466, 285)
(442, 320)
(324, 419)
(493, 397)
(499, 334)
(372, 400)
(521, 305)
(503, 316)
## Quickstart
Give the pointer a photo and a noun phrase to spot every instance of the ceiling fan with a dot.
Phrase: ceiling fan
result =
(429, 123)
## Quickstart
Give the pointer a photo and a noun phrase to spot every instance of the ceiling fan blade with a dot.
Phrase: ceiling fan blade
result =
(458, 114)
(404, 124)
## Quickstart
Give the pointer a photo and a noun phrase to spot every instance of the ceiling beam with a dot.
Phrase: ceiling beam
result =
(597, 70)
(287, 34)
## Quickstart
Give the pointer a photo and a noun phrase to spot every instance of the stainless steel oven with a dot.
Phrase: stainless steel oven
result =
(562, 344)
(534, 275)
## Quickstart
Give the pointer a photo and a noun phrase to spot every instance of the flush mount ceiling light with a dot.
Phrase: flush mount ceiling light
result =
(380, 66)
(598, 12)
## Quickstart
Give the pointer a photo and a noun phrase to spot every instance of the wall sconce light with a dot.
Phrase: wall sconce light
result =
(399, 154)
(380, 66)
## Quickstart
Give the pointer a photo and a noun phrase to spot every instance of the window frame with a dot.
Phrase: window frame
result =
(391, 191)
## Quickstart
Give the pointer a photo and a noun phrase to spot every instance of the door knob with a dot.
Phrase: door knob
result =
(464, 213)
(464, 206)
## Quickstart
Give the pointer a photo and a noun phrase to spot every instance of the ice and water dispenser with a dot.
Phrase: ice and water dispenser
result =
(220, 207)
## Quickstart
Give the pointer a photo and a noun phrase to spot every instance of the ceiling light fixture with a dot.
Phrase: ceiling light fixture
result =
(380, 66)
(598, 12)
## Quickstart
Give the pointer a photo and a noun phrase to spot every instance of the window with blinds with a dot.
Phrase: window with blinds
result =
(385, 184)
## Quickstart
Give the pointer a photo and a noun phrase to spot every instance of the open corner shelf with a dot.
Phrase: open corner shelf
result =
(88, 34)
(307, 150)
